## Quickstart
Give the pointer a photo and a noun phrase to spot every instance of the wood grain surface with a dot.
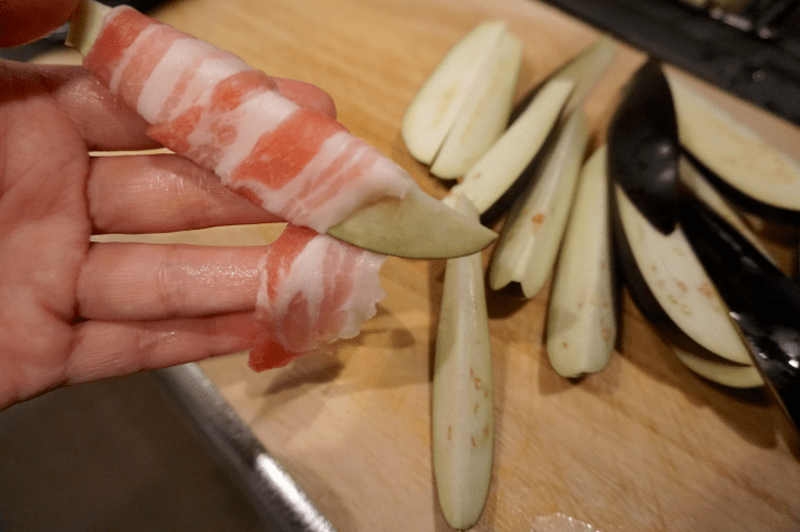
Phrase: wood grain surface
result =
(643, 446)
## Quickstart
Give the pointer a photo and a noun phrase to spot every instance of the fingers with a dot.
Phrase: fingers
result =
(24, 21)
(147, 193)
(306, 95)
(107, 124)
(151, 193)
(161, 193)
(130, 281)
(104, 122)
(103, 349)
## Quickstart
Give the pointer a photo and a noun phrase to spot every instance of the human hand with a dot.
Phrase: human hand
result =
(73, 310)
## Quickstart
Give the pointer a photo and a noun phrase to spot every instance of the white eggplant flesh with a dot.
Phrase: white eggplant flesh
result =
(510, 155)
(462, 405)
(586, 69)
(563, 92)
(440, 101)
(529, 241)
(485, 113)
(719, 370)
(85, 25)
(679, 283)
(582, 324)
(734, 151)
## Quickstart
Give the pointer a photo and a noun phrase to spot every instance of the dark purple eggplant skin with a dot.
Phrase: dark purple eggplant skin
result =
(763, 302)
(643, 146)
(741, 200)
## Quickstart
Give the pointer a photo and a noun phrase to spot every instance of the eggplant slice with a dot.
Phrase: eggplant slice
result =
(643, 147)
(764, 303)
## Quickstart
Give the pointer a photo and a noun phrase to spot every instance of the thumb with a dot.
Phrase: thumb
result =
(22, 21)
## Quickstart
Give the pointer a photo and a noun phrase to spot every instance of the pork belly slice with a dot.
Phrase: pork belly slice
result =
(314, 290)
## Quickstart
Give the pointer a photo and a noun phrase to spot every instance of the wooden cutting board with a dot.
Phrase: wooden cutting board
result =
(643, 446)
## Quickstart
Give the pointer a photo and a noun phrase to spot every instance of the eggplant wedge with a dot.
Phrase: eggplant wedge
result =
(465, 103)
(733, 151)
(416, 227)
(644, 165)
(502, 173)
(695, 181)
(696, 358)
(761, 300)
(679, 283)
(86, 24)
(585, 70)
(643, 148)
(581, 322)
(462, 405)
(484, 114)
(503, 164)
(718, 370)
(526, 251)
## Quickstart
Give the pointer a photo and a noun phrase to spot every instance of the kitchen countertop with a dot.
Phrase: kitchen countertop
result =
(644, 445)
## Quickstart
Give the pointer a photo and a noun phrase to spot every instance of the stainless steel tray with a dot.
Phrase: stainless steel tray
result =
(273, 493)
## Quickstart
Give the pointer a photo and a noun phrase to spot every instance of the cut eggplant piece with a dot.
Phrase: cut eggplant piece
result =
(761, 300)
(645, 161)
(643, 146)
(696, 183)
(582, 324)
(439, 103)
(408, 235)
(585, 70)
(501, 173)
(719, 370)
(501, 166)
(696, 358)
(462, 405)
(484, 114)
(85, 25)
(530, 239)
(733, 151)
(679, 283)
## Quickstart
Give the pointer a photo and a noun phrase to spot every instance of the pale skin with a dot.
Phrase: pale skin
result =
(72, 310)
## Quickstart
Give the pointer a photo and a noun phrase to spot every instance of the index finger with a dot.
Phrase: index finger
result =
(107, 124)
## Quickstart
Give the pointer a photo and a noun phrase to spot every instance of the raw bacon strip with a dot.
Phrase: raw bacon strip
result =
(210, 107)
(314, 290)
(296, 162)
